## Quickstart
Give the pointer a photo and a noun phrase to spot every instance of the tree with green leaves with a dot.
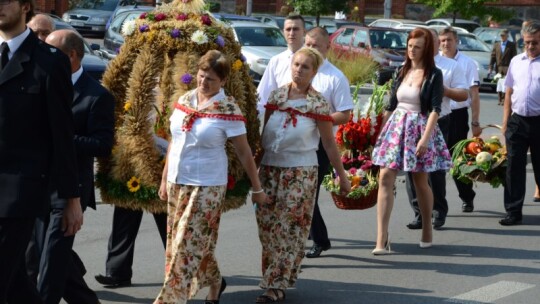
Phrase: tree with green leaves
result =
(318, 7)
(467, 9)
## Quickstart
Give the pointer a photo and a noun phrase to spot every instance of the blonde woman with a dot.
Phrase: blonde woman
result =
(296, 118)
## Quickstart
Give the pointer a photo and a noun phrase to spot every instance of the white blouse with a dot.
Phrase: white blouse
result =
(286, 145)
(198, 157)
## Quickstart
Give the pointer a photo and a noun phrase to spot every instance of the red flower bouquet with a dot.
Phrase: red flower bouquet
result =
(355, 140)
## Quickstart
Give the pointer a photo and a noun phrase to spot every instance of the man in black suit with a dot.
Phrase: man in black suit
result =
(121, 245)
(501, 55)
(61, 270)
(36, 143)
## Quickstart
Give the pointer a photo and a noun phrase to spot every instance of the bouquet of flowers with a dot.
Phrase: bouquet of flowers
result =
(496, 78)
(478, 160)
(355, 140)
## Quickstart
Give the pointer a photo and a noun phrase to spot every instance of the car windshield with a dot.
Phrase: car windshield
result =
(388, 39)
(260, 36)
(472, 43)
(104, 5)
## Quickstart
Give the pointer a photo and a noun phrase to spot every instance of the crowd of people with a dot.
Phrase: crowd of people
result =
(47, 174)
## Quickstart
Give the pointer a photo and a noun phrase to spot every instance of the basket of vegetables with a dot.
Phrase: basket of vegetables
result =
(479, 160)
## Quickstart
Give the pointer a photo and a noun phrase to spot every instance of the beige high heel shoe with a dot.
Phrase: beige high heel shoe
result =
(383, 251)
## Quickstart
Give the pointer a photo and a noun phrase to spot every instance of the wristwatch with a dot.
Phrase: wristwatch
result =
(475, 124)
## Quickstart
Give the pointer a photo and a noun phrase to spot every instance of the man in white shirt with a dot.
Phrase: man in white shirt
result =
(455, 89)
(335, 88)
(459, 118)
(278, 71)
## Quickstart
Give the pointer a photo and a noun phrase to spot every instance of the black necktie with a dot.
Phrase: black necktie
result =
(4, 49)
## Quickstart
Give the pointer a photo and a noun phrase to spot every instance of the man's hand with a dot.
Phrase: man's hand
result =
(72, 219)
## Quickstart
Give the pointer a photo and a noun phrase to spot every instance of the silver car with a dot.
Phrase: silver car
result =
(90, 16)
(259, 42)
(470, 45)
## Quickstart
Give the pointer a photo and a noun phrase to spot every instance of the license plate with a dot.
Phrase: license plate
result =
(75, 23)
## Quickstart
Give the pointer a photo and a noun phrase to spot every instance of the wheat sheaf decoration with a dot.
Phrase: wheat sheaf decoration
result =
(156, 65)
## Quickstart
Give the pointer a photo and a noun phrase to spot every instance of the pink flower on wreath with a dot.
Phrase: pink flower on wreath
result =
(186, 1)
(182, 17)
(160, 16)
(142, 16)
(205, 19)
(352, 171)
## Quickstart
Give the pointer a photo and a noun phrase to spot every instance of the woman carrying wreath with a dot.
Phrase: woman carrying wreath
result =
(295, 116)
(194, 181)
(410, 139)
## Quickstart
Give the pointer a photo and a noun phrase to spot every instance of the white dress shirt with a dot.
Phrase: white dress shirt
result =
(453, 77)
(473, 79)
(15, 42)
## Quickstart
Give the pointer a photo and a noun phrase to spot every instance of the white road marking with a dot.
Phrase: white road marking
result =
(490, 293)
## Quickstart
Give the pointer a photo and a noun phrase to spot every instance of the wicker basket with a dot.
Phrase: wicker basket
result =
(364, 202)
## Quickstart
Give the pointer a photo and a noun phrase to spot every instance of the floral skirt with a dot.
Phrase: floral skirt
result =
(284, 222)
(396, 145)
(194, 214)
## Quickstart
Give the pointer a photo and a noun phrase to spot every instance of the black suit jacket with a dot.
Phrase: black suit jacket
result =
(93, 115)
(36, 129)
(501, 60)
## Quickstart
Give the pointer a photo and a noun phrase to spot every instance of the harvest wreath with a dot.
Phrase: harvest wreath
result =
(154, 67)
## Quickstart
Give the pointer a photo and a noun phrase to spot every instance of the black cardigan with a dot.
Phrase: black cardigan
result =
(431, 93)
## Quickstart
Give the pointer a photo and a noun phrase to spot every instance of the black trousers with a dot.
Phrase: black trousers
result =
(61, 270)
(521, 135)
(125, 227)
(318, 231)
(437, 181)
(459, 130)
(15, 286)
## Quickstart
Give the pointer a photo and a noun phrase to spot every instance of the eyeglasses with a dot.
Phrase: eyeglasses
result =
(6, 2)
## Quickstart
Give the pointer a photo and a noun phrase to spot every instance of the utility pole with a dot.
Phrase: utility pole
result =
(387, 9)
(249, 6)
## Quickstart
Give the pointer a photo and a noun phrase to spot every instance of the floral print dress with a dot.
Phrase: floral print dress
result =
(289, 177)
(194, 210)
(396, 145)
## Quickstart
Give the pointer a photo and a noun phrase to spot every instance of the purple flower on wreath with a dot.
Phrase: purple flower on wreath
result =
(117, 50)
(182, 17)
(220, 41)
(175, 33)
(142, 16)
(205, 19)
(160, 16)
(186, 78)
(144, 28)
(242, 58)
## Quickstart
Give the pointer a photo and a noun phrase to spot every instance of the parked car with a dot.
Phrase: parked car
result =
(231, 17)
(490, 35)
(386, 46)
(147, 6)
(90, 16)
(394, 23)
(470, 45)
(113, 39)
(259, 43)
(279, 21)
(466, 24)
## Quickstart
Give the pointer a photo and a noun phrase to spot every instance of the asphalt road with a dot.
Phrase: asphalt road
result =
(474, 259)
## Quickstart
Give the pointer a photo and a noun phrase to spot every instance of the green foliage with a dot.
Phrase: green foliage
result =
(318, 7)
(357, 68)
(466, 9)
(213, 7)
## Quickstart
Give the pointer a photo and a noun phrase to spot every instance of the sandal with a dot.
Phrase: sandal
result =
(278, 295)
